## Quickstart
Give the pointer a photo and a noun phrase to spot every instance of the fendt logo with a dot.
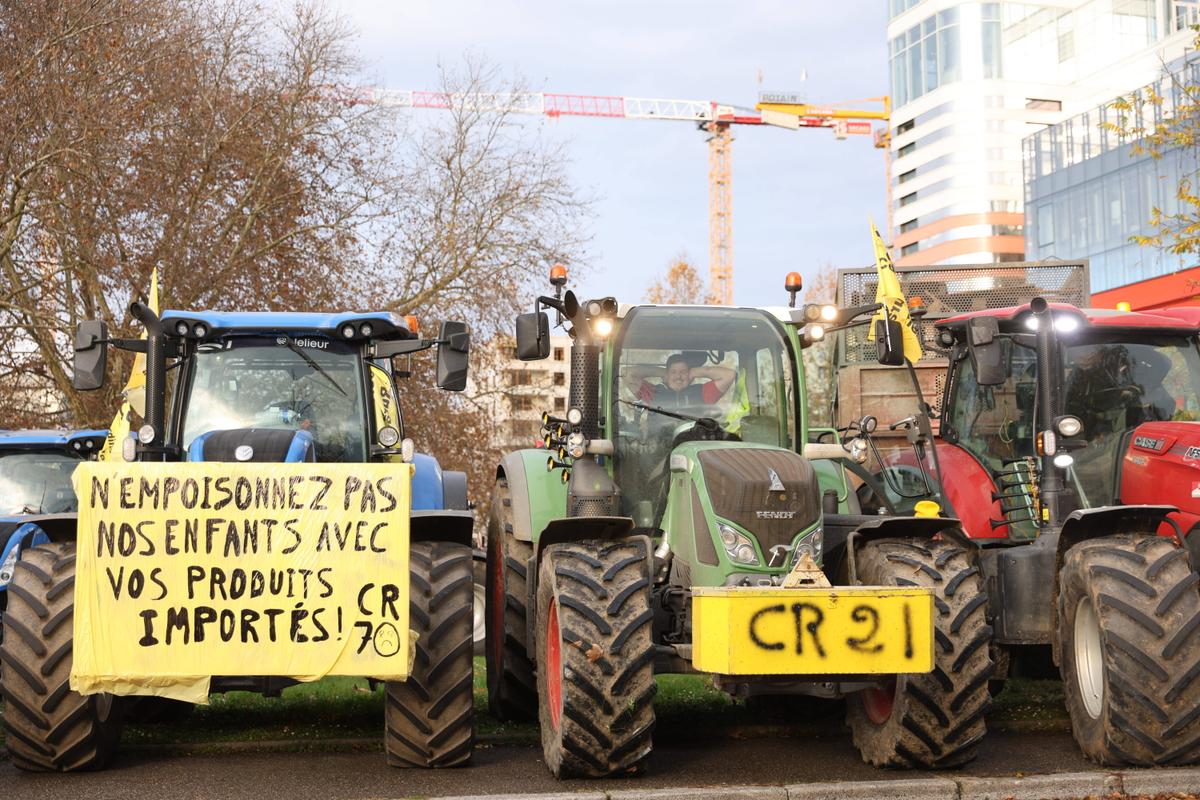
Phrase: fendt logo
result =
(775, 514)
(776, 483)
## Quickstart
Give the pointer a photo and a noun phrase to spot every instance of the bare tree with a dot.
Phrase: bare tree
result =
(680, 284)
(195, 137)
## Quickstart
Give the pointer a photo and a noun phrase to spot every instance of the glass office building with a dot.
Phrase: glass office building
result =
(1087, 190)
(971, 80)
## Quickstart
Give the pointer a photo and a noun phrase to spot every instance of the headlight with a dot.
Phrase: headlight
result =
(1063, 460)
(815, 332)
(829, 313)
(388, 436)
(1065, 324)
(574, 416)
(347, 331)
(10, 564)
(1069, 426)
(181, 328)
(738, 546)
(145, 434)
(602, 326)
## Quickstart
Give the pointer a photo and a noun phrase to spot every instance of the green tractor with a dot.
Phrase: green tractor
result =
(685, 518)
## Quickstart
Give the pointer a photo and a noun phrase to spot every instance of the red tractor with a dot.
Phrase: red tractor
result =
(1068, 439)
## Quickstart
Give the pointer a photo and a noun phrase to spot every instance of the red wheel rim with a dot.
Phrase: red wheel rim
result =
(553, 665)
(495, 640)
(878, 703)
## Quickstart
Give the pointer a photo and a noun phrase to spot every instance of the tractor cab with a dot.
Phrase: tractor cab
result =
(35, 488)
(277, 387)
(694, 374)
(1114, 377)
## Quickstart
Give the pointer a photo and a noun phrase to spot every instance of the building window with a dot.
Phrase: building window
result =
(909, 249)
(558, 354)
(560, 404)
(993, 66)
(905, 227)
(1037, 104)
(926, 56)
(560, 379)
(905, 177)
(908, 198)
(522, 402)
(520, 377)
(905, 127)
(906, 150)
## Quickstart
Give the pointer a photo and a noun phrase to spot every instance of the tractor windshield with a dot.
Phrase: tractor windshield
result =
(1112, 383)
(308, 383)
(37, 482)
(731, 368)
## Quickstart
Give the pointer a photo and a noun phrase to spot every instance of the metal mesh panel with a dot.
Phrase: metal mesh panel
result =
(956, 289)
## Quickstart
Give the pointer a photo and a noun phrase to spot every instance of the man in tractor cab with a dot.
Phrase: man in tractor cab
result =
(676, 389)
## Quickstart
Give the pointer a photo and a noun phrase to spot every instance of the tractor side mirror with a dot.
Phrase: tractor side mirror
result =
(533, 336)
(452, 356)
(91, 355)
(987, 354)
(889, 342)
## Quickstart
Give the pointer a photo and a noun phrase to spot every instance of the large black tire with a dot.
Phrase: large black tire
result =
(595, 658)
(512, 687)
(49, 727)
(935, 719)
(1129, 629)
(430, 718)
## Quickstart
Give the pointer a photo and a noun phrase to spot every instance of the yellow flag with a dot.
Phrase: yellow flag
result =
(134, 392)
(889, 293)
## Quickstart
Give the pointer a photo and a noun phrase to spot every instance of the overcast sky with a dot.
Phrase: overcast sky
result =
(801, 199)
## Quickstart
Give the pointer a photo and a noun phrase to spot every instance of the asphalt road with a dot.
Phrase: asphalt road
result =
(498, 769)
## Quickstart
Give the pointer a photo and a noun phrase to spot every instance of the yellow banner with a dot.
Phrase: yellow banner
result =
(889, 293)
(191, 570)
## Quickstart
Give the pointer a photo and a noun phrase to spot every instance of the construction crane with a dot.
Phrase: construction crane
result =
(715, 119)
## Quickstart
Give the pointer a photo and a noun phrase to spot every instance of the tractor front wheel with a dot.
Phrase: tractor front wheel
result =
(1129, 650)
(49, 727)
(595, 658)
(512, 688)
(928, 720)
(429, 718)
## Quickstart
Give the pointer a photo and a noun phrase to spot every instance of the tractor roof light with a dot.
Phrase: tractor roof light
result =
(602, 327)
(558, 275)
(812, 312)
(412, 323)
(347, 330)
(793, 283)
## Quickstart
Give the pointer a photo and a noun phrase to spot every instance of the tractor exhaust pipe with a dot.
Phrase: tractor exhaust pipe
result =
(1047, 404)
(156, 373)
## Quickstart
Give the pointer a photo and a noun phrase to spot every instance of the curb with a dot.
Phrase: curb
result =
(1053, 786)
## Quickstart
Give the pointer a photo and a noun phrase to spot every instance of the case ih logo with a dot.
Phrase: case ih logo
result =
(1148, 443)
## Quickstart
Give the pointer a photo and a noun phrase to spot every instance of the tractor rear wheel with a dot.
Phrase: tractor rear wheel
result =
(429, 718)
(50, 728)
(595, 658)
(936, 719)
(512, 687)
(1129, 650)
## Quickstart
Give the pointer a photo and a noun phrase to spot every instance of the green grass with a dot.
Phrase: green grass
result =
(346, 708)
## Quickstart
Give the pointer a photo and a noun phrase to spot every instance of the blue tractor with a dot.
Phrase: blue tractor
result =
(263, 387)
(35, 489)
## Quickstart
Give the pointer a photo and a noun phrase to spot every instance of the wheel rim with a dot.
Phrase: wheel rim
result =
(879, 702)
(553, 665)
(496, 643)
(479, 610)
(1089, 657)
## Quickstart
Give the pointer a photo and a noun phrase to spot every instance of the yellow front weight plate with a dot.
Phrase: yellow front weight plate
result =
(840, 631)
